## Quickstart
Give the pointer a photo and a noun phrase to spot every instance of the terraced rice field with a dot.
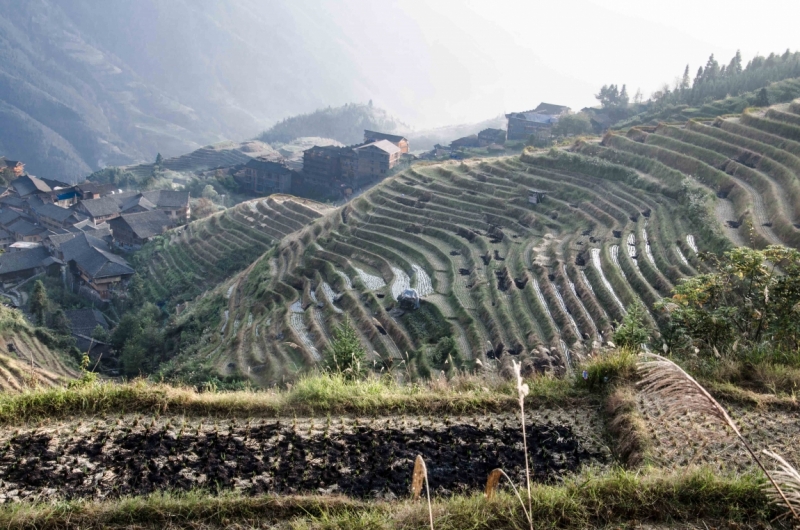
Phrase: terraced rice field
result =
(623, 221)
(198, 256)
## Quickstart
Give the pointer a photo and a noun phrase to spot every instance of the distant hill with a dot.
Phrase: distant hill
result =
(345, 124)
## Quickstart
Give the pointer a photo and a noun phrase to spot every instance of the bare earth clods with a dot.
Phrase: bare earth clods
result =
(370, 459)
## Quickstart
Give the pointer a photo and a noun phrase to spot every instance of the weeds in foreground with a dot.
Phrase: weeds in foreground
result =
(494, 477)
(681, 393)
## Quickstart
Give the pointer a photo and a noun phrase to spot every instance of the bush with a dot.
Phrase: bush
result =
(632, 331)
(346, 355)
(751, 300)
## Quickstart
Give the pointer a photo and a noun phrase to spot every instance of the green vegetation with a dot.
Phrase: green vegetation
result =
(346, 355)
(586, 501)
(345, 124)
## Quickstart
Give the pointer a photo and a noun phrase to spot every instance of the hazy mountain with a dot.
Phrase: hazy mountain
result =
(86, 84)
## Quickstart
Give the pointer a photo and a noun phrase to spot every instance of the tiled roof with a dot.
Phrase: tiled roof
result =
(92, 256)
(9, 216)
(143, 224)
(382, 136)
(27, 184)
(138, 200)
(25, 228)
(168, 198)
(56, 213)
(383, 145)
(22, 260)
(83, 321)
(100, 207)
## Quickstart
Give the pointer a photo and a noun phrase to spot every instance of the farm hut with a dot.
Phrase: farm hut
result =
(409, 299)
(536, 196)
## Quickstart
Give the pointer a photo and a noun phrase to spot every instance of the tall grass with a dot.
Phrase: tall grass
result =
(681, 393)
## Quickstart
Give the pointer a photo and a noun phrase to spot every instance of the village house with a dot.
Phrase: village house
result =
(95, 272)
(537, 122)
(55, 217)
(25, 231)
(491, 136)
(13, 202)
(173, 203)
(99, 210)
(21, 265)
(92, 190)
(136, 204)
(331, 168)
(322, 166)
(264, 177)
(134, 230)
(27, 185)
(399, 141)
(374, 160)
(82, 324)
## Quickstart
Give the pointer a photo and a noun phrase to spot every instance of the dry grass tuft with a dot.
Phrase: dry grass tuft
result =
(681, 394)
(789, 480)
(421, 474)
(626, 426)
(492, 482)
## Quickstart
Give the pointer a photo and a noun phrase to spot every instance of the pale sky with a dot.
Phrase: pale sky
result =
(434, 62)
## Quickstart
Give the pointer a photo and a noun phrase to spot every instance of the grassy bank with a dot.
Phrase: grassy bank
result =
(586, 501)
(313, 395)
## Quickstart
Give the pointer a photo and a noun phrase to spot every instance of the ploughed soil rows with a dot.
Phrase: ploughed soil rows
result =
(695, 439)
(361, 458)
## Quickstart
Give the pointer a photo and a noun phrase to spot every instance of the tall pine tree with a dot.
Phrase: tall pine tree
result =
(39, 303)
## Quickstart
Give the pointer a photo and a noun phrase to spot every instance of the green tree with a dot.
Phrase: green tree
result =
(346, 355)
(60, 323)
(39, 303)
(134, 360)
(100, 334)
(210, 193)
(686, 82)
(632, 331)
(573, 124)
(136, 291)
(763, 98)
(751, 300)
(159, 159)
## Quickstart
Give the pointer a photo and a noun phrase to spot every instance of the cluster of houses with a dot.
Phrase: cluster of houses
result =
(538, 123)
(327, 169)
(51, 226)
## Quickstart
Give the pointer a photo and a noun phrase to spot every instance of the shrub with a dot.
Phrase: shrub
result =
(346, 355)
(632, 331)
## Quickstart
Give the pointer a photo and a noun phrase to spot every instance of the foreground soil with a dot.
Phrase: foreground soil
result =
(370, 458)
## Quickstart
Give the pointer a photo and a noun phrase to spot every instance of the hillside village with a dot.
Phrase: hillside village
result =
(339, 171)
(81, 230)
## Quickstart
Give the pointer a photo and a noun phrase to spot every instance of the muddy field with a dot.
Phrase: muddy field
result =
(370, 458)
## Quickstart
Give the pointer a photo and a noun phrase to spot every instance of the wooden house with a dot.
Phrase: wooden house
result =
(400, 141)
(264, 177)
(537, 122)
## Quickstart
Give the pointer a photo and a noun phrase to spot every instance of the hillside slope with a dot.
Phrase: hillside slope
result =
(24, 359)
(623, 222)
